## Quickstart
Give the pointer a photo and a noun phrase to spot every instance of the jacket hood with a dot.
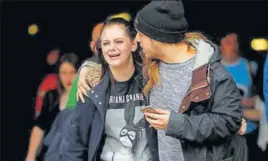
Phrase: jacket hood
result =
(207, 53)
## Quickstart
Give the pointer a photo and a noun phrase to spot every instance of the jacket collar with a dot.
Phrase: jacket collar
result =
(98, 93)
(207, 54)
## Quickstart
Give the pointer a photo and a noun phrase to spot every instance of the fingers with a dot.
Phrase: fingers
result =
(243, 121)
(83, 91)
(77, 96)
(82, 88)
(81, 97)
(243, 127)
(153, 122)
(242, 131)
(84, 85)
(161, 111)
(157, 127)
(157, 124)
(153, 115)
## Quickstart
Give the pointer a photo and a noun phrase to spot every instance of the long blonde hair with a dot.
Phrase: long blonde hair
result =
(151, 67)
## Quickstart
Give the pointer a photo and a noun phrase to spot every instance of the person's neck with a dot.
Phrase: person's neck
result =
(230, 61)
(176, 53)
(124, 72)
(65, 92)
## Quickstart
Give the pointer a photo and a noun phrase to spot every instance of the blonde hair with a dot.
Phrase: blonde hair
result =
(151, 67)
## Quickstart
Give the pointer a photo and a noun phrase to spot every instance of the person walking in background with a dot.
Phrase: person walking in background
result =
(93, 61)
(263, 139)
(95, 35)
(48, 83)
(243, 72)
(54, 101)
(265, 86)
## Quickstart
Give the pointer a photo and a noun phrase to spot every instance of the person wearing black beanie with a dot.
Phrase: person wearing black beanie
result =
(197, 112)
(162, 21)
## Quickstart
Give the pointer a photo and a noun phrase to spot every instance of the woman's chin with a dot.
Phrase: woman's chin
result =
(115, 64)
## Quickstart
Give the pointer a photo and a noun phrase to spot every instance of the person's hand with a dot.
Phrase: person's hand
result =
(159, 120)
(248, 102)
(243, 127)
(83, 86)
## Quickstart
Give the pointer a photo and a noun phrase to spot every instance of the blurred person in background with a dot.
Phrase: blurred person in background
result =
(49, 82)
(264, 141)
(95, 35)
(54, 101)
(265, 86)
(71, 102)
(243, 73)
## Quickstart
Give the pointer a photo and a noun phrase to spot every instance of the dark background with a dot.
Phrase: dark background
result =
(67, 25)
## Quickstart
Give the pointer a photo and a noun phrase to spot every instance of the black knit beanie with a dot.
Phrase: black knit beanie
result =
(162, 21)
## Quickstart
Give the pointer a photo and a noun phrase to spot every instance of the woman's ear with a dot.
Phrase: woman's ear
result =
(134, 46)
(92, 45)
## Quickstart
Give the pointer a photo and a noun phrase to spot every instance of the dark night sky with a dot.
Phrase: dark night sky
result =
(67, 25)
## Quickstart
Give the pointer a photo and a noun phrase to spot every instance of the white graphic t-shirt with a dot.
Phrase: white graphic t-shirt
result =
(125, 125)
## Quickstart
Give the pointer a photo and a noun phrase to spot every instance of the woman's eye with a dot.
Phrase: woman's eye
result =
(119, 42)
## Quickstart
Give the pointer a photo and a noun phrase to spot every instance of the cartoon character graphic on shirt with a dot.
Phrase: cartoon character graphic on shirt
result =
(129, 137)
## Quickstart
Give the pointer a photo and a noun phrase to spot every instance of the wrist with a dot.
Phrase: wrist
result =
(30, 158)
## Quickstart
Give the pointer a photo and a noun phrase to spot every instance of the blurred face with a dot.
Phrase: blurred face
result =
(117, 46)
(229, 47)
(149, 47)
(53, 57)
(95, 37)
(67, 74)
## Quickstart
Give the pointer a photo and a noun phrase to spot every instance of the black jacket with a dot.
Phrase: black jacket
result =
(49, 111)
(210, 115)
(81, 136)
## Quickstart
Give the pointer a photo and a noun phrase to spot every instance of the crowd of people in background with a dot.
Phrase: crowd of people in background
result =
(55, 93)
(206, 103)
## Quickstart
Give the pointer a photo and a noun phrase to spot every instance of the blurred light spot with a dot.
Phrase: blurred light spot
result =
(123, 15)
(33, 29)
(259, 44)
